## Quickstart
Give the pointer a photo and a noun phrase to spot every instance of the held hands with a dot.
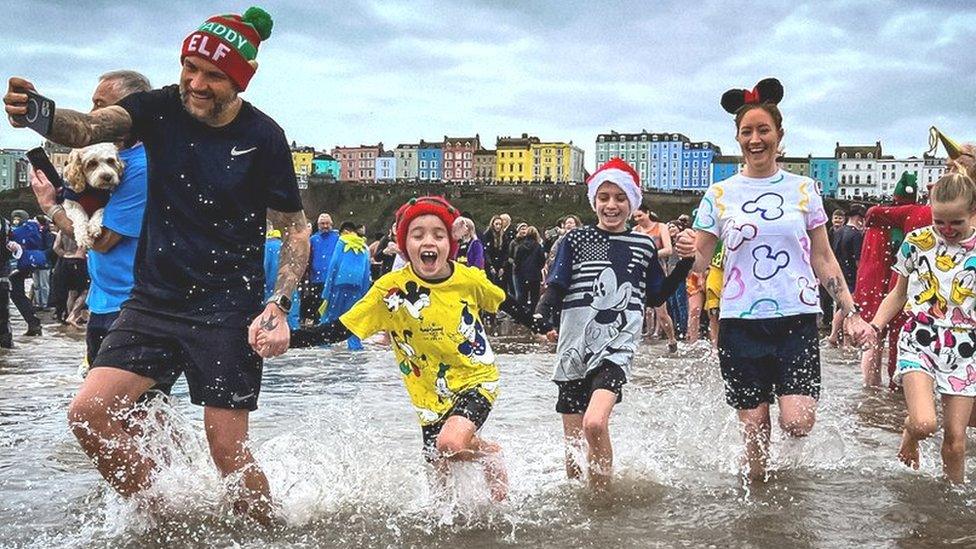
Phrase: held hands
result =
(269, 334)
(685, 245)
(860, 331)
(15, 101)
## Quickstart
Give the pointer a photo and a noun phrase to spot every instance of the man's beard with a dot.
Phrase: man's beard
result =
(211, 115)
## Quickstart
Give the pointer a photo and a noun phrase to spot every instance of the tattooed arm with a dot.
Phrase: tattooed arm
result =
(293, 258)
(272, 324)
(76, 129)
(71, 128)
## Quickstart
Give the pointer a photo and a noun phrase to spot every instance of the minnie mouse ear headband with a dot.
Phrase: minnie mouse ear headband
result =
(768, 90)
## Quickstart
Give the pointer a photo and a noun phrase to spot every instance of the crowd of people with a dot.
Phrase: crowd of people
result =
(180, 287)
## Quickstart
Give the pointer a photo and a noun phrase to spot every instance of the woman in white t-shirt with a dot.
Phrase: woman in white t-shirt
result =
(772, 225)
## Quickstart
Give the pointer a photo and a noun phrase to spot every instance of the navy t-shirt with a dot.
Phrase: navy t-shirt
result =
(201, 254)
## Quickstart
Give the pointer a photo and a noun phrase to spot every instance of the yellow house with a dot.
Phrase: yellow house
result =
(556, 163)
(513, 162)
(302, 160)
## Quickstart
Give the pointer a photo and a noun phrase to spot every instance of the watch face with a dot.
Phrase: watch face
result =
(285, 302)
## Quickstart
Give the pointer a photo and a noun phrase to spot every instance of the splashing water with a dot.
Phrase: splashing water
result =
(336, 436)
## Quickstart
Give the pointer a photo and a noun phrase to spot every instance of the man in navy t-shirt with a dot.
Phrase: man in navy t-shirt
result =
(218, 168)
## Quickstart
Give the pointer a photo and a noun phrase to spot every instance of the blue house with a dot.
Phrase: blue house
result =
(696, 164)
(824, 172)
(724, 167)
(430, 161)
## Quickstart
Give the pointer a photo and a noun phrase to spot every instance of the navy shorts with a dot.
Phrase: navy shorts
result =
(470, 404)
(574, 395)
(764, 358)
(221, 369)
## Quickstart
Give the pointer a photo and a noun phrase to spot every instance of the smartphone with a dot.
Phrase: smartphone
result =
(38, 158)
(40, 113)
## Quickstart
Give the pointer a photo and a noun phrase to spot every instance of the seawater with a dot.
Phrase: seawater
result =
(338, 440)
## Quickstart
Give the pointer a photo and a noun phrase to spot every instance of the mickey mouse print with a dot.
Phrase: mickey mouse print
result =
(763, 224)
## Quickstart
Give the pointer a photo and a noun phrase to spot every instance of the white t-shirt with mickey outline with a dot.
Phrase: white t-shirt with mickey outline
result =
(764, 226)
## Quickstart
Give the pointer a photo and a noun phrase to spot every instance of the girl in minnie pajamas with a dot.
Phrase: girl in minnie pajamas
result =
(936, 268)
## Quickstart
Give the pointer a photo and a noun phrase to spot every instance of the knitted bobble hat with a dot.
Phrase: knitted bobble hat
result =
(230, 42)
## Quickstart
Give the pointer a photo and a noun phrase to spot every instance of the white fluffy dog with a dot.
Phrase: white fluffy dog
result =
(91, 174)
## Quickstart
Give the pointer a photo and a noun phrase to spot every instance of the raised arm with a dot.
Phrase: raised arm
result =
(71, 128)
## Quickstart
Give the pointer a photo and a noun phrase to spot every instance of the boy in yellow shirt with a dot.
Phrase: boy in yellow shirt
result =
(432, 310)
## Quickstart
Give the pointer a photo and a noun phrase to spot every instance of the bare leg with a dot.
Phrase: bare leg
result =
(596, 429)
(227, 435)
(667, 325)
(921, 422)
(457, 442)
(573, 438)
(695, 303)
(755, 429)
(955, 417)
(95, 418)
(713, 326)
(871, 365)
(797, 414)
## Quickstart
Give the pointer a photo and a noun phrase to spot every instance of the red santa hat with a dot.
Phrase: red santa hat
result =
(621, 174)
(425, 205)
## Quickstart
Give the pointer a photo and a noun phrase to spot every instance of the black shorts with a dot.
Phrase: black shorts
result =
(767, 357)
(221, 369)
(470, 404)
(574, 395)
(75, 274)
(95, 332)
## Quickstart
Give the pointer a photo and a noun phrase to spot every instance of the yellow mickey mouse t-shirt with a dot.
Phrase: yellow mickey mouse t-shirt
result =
(438, 339)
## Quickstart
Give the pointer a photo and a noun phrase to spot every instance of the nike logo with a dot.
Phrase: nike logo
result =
(235, 152)
(236, 398)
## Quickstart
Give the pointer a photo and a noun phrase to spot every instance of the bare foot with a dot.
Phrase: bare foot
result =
(908, 452)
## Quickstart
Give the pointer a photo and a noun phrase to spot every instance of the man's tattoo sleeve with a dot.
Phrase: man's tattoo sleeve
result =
(76, 129)
(293, 257)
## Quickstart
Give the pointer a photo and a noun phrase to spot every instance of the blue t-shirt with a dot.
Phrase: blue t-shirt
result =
(111, 272)
(322, 245)
(272, 248)
(606, 278)
(201, 253)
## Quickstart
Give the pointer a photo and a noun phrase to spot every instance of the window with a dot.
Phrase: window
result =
(857, 155)
(423, 164)
(447, 156)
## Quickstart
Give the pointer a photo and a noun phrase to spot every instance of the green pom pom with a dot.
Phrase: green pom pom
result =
(260, 20)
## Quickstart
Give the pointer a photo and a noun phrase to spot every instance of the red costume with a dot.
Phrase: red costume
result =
(886, 228)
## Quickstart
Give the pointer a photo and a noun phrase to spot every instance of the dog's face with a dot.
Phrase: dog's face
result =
(97, 165)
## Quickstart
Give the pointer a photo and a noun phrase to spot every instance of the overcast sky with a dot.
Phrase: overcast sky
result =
(355, 71)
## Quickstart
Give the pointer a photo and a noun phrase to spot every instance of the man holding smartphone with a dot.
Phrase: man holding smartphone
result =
(217, 168)
(111, 259)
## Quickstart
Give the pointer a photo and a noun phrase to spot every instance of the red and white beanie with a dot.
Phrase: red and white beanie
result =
(621, 174)
(231, 42)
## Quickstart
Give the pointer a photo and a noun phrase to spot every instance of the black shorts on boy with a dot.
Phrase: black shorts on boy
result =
(574, 395)
(470, 404)
(765, 358)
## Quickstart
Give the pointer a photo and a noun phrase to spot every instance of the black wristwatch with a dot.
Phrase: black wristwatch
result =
(283, 302)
